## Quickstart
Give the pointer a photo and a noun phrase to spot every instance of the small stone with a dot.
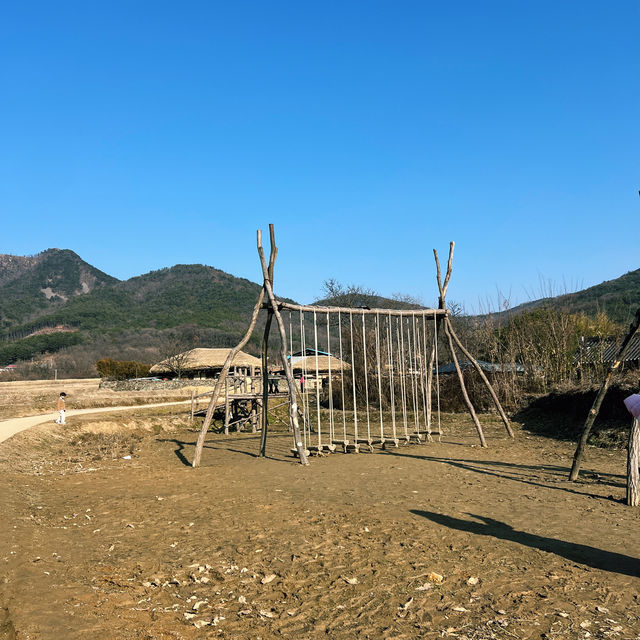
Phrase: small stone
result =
(602, 609)
(198, 604)
(244, 612)
(146, 584)
(502, 612)
(242, 600)
(424, 587)
(585, 624)
(459, 609)
(188, 615)
(435, 577)
(473, 581)
(406, 605)
(265, 613)
(198, 624)
(351, 580)
(267, 579)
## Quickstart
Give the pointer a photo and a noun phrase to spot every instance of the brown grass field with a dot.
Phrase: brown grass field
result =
(98, 546)
(34, 397)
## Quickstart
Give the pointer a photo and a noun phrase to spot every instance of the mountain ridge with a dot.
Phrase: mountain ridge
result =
(55, 301)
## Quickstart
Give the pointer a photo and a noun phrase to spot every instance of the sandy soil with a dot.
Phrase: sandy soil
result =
(97, 546)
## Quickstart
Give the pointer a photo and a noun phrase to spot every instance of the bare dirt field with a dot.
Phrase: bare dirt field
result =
(424, 541)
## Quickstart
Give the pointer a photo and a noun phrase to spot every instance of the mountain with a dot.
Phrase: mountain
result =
(31, 286)
(618, 298)
(56, 303)
(131, 318)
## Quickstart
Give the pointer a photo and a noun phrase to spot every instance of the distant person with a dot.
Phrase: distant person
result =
(61, 408)
(301, 384)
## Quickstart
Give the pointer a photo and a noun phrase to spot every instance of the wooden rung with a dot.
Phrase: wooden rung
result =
(294, 451)
(415, 436)
(341, 443)
(352, 447)
(322, 447)
(390, 442)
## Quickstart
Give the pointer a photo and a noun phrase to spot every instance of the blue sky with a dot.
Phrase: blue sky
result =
(146, 134)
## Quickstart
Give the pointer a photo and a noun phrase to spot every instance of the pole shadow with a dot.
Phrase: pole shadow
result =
(509, 471)
(580, 553)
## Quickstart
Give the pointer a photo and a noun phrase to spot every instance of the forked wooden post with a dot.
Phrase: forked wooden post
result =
(225, 370)
(286, 365)
(478, 368)
(443, 305)
(595, 408)
(265, 360)
(633, 460)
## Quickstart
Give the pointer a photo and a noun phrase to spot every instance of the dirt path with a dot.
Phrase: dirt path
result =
(12, 426)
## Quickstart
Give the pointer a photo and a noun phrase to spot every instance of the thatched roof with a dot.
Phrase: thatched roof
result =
(199, 359)
(308, 363)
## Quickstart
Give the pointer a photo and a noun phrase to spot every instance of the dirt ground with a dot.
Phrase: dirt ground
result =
(18, 399)
(424, 541)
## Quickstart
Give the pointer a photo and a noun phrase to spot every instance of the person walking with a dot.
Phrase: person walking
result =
(61, 408)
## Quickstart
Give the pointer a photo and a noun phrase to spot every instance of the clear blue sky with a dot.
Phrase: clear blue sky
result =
(145, 134)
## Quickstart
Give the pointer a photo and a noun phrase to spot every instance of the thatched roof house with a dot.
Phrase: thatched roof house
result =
(308, 363)
(202, 362)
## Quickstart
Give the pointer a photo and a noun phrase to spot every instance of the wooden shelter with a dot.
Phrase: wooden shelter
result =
(206, 363)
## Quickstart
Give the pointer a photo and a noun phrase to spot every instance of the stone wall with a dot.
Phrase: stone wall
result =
(154, 385)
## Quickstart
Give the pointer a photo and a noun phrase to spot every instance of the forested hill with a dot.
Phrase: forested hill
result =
(31, 286)
(132, 318)
(618, 298)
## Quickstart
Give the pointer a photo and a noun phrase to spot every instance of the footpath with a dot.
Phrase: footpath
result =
(11, 426)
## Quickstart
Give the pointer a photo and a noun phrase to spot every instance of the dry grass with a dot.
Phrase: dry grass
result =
(18, 399)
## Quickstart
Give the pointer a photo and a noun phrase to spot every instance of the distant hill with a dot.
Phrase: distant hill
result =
(618, 298)
(31, 286)
(190, 299)
(56, 303)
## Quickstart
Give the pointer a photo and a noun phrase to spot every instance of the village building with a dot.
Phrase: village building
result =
(206, 363)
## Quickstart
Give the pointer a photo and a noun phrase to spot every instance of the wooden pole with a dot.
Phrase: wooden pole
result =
(293, 406)
(192, 401)
(478, 368)
(265, 386)
(225, 370)
(226, 407)
(463, 388)
(388, 312)
(442, 288)
(595, 407)
(633, 460)
(265, 359)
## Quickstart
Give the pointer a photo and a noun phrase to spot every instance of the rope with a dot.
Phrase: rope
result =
(353, 380)
(435, 337)
(331, 422)
(305, 408)
(366, 375)
(401, 369)
(315, 344)
(416, 417)
(392, 395)
(379, 374)
(344, 409)
(423, 376)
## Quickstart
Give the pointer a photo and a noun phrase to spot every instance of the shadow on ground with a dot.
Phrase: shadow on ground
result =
(583, 554)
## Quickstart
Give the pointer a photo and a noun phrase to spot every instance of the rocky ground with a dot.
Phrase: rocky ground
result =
(107, 533)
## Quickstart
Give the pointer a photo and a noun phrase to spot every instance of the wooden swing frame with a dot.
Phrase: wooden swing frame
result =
(268, 301)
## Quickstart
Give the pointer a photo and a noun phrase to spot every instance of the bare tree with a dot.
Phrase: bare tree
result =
(175, 352)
